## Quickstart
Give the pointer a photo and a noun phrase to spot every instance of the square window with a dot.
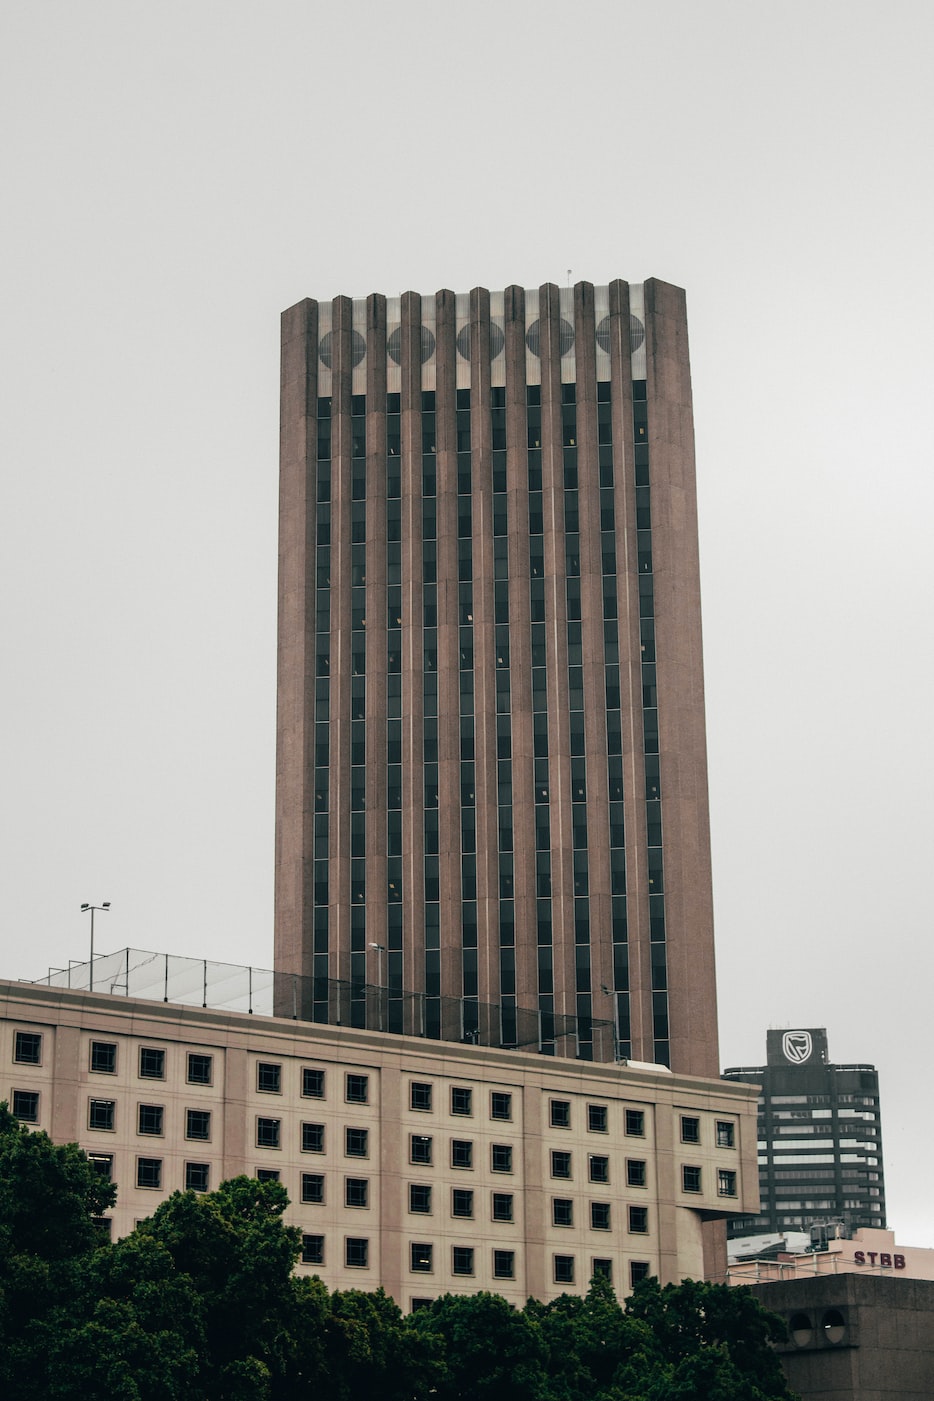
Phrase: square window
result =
(200, 1069)
(419, 1198)
(600, 1216)
(599, 1166)
(562, 1211)
(356, 1191)
(635, 1123)
(150, 1118)
(603, 1269)
(560, 1114)
(420, 1095)
(149, 1172)
(638, 1269)
(726, 1134)
(268, 1133)
(502, 1206)
(312, 1083)
(690, 1129)
(462, 1260)
(461, 1153)
(356, 1253)
(26, 1106)
(639, 1220)
(101, 1113)
(726, 1182)
(461, 1202)
(501, 1157)
(268, 1078)
(197, 1176)
(597, 1118)
(504, 1264)
(104, 1057)
(267, 1174)
(564, 1269)
(691, 1179)
(358, 1089)
(356, 1143)
(560, 1163)
(635, 1172)
(197, 1123)
(313, 1188)
(312, 1250)
(312, 1138)
(500, 1105)
(103, 1164)
(151, 1063)
(420, 1148)
(461, 1100)
(421, 1258)
(27, 1048)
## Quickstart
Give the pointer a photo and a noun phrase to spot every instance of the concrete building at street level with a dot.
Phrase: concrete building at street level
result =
(820, 1140)
(492, 776)
(422, 1166)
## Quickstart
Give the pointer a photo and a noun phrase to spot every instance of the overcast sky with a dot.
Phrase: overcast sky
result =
(174, 176)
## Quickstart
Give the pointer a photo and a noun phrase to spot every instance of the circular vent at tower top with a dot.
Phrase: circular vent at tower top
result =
(497, 341)
(636, 334)
(394, 345)
(533, 337)
(328, 344)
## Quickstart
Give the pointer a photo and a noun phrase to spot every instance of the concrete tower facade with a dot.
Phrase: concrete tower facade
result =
(492, 816)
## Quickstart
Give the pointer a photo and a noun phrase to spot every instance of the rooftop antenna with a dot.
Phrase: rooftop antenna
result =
(569, 277)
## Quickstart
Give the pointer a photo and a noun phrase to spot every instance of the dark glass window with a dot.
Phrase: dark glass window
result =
(200, 1069)
(312, 1138)
(313, 1187)
(502, 1206)
(562, 1211)
(690, 1129)
(461, 1153)
(151, 1063)
(603, 1269)
(269, 1078)
(357, 1191)
(726, 1182)
(312, 1083)
(267, 1174)
(635, 1123)
(501, 1157)
(149, 1172)
(421, 1257)
(691, 1179)
(104, 1057)
(358, 1089)
(151, 1118)
(419, 1198)
(103, 1164)
(26, 1106)
(420, 1095)
(635, 1172)
(461, 1202)
(197, 1123)
(461, 1100)
(504, 1264)
(500, 1105)
(197, 1177)
(560, 1114)
(597, 1118)
(638, 1269)
(639, 1220)
(599, 1168)
(726, 1134)
(356, 1143)
(101, 1113)
(420, 1148)
(560, 1164)
(356, 1253)
(600, 1216)
(312, 1250)
(564, 1269)
(462, 1260)
(268, 1133)
(27, 1048)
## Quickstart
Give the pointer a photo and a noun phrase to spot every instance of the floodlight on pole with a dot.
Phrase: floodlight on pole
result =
(104, 906)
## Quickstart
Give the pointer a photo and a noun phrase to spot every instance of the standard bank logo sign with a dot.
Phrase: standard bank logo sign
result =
(797, 1046)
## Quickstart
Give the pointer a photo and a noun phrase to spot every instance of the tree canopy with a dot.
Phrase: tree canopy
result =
(201, 1303)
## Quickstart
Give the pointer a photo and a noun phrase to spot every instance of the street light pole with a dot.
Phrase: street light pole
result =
(611, 992)
(92, 908)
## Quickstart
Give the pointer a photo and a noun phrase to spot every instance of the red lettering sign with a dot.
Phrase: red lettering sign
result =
(899, 1262)
(885, 1261)
(859, 1256)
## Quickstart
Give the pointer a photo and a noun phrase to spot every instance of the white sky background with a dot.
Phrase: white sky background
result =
(174, 176)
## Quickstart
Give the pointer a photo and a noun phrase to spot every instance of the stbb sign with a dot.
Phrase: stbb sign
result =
(886, 1261)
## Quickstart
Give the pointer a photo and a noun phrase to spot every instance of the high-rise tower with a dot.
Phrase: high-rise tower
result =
(492, 792)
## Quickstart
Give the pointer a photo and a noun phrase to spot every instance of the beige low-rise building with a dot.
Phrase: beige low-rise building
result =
(867, 1251)
(421, 1166)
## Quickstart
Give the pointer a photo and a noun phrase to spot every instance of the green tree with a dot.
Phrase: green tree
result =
(489, 1350)
(373, 1350)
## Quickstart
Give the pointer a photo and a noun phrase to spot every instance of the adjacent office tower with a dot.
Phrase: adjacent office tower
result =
(820, 1138)
(492, 793)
